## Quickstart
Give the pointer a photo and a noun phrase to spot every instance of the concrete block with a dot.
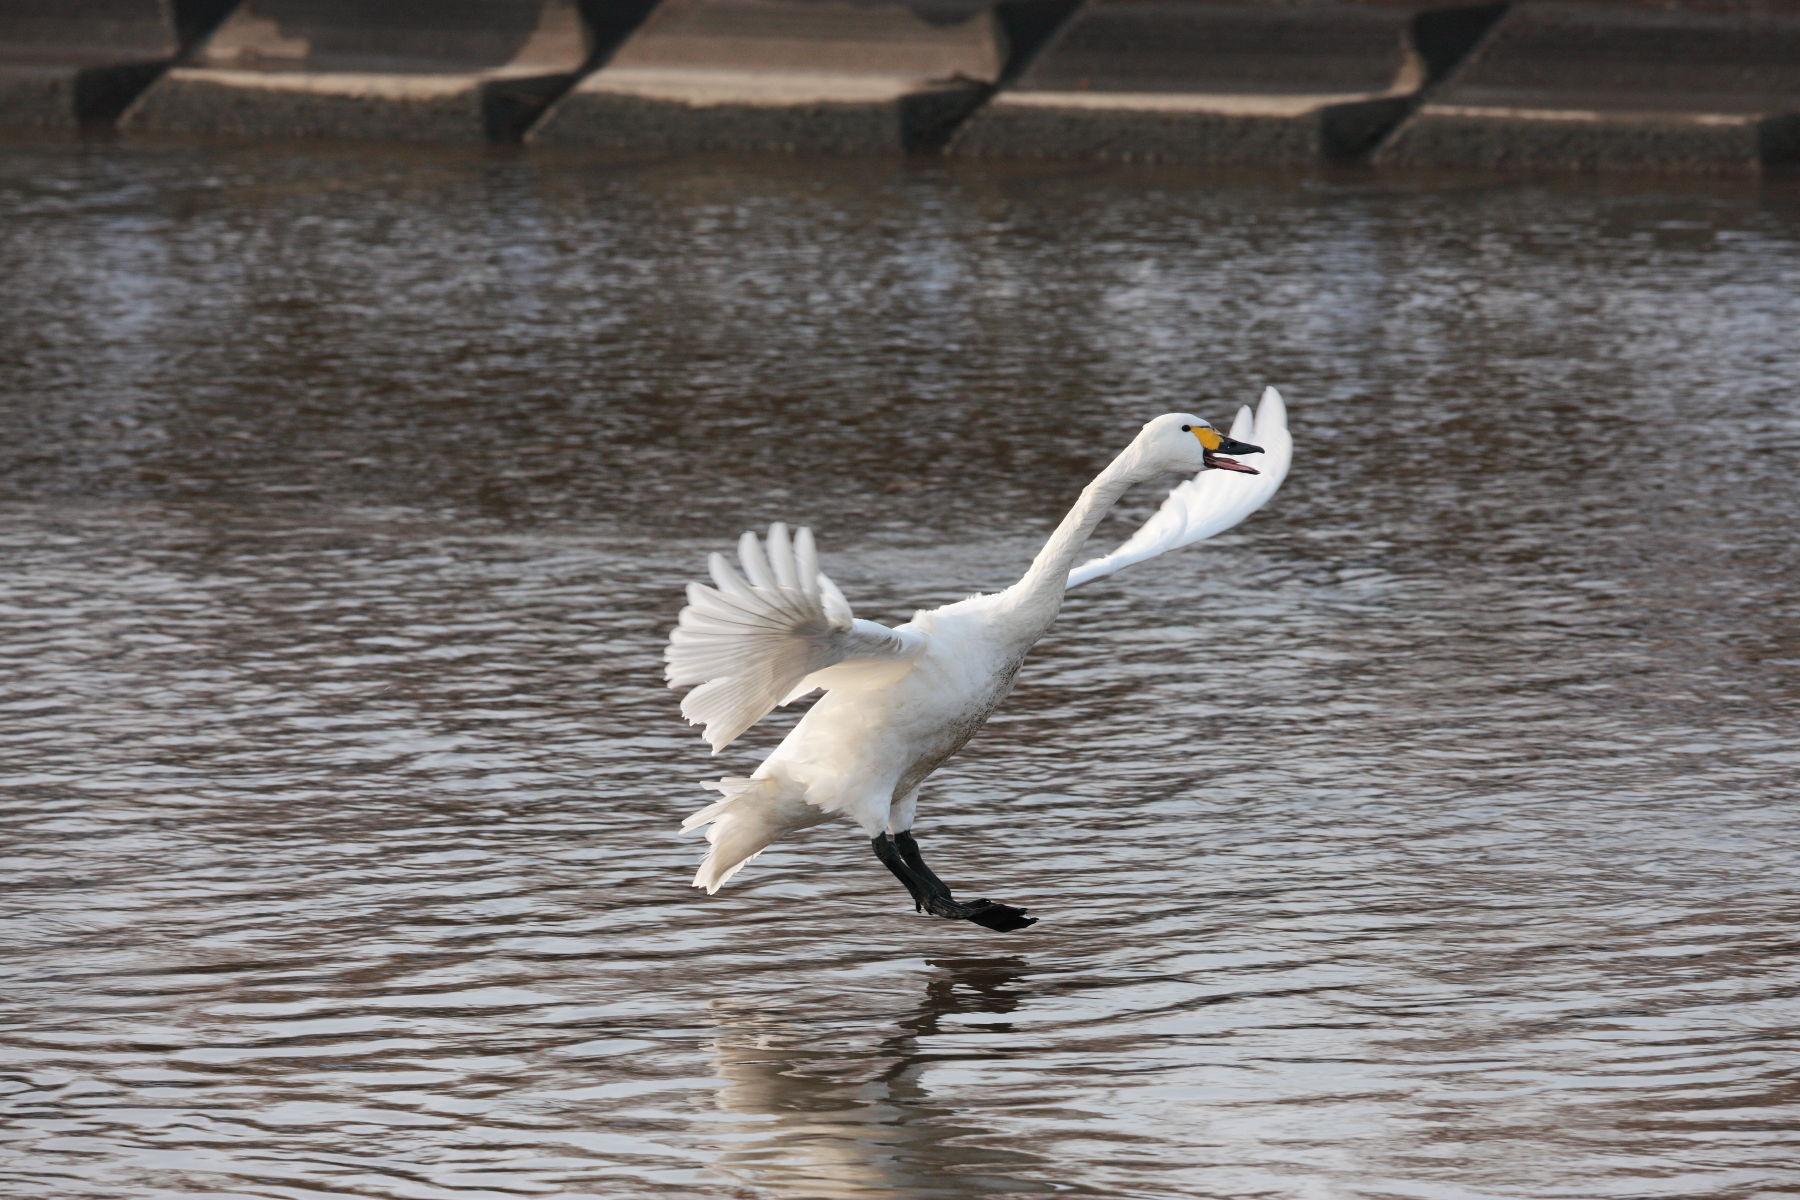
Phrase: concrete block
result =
(1232, 81)
(67, 65)
(1669, 87)
(830, 76)
(401, 70)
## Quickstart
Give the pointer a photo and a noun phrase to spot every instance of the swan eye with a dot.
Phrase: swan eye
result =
(1187, 429)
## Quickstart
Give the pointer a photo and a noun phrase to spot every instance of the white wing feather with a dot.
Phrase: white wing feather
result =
(1212, 501)
(750, 641)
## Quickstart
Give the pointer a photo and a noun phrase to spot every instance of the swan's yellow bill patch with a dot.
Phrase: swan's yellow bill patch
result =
(1208, 437)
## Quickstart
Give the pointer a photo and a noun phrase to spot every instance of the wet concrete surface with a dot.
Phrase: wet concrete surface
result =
(64, 68)
(467, 71)
(1431, 836)
(1682, 87)
(1245, 83)
(1624, 87)
(772, 75)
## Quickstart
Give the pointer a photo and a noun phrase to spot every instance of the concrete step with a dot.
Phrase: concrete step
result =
(65, 66)
(1225, 81)
(788, 75)
(1672, 86)
(400, 70)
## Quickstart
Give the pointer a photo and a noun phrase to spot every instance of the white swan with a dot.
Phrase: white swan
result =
(899, 702)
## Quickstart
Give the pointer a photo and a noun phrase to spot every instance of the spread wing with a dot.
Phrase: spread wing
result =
(753, 643)
(1212, 501)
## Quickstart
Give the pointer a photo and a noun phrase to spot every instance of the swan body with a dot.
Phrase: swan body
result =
(900, 702)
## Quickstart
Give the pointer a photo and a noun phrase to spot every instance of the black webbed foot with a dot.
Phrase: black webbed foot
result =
(1001, 918)
(900, 854)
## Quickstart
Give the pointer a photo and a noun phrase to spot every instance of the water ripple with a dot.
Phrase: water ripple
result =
(1429, 838)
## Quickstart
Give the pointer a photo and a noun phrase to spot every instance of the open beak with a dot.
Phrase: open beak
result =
(1216, 456)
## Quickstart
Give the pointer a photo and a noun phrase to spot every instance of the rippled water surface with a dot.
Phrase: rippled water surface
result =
(1431, 836)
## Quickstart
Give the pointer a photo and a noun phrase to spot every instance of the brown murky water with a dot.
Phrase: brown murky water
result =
(1431, 837)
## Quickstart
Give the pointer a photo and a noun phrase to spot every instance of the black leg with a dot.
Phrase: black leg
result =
(915, 862)
(893, 860)
(899, 853)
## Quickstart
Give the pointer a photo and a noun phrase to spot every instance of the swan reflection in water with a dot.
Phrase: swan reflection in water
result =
(846, 1111)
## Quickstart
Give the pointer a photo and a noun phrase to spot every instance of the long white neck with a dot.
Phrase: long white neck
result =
(1039, 593)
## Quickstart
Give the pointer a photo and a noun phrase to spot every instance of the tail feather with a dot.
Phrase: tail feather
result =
(753, 814)
(730, 788)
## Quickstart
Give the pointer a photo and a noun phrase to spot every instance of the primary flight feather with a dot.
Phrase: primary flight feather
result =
(899, 702)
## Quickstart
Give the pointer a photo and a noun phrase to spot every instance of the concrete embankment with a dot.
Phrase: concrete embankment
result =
(827, 76)
(401, 70)
(65, 66)
(1693, 86)
(1246, 83)
(1627, 85)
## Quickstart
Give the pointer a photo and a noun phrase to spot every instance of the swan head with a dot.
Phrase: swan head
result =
(1186, 443)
